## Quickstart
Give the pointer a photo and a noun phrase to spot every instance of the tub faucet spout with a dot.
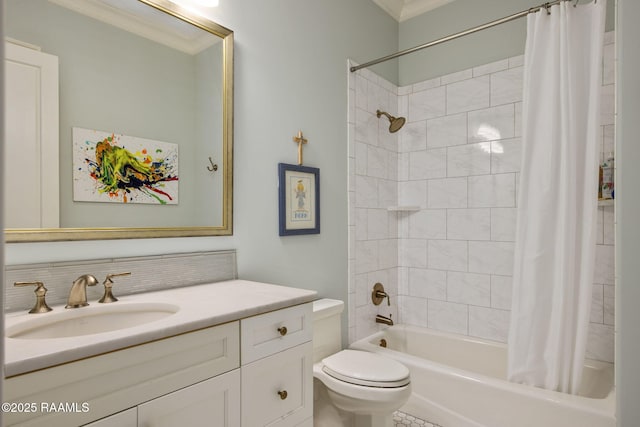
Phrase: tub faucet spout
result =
(78, 293)
(384, 320)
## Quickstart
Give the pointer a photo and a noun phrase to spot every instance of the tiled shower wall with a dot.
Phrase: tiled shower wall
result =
(433, 207)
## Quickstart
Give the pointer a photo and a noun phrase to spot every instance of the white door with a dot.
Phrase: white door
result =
(31, 140)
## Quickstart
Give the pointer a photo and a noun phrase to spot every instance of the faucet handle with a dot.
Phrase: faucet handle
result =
(108, 284)
(41, 305)
(378, 294)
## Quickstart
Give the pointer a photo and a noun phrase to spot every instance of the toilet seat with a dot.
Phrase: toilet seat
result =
(366, 369)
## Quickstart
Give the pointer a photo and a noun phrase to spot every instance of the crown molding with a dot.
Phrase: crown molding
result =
(401, 10)
(145, 22)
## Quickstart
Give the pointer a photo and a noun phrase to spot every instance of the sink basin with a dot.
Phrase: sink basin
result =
(90, 320)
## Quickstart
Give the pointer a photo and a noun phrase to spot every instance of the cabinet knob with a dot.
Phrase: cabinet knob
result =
(283, 394)
(283, 332)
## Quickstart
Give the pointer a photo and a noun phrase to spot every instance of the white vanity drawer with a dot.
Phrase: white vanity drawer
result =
(265, 382)
(270, 333)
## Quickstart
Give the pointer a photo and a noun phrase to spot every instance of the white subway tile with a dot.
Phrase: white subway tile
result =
(506, 155)
(361, 92)
(366, 321)
(516, 61)
(366, 127)
(506, 86)
(387, 193)
(492, 191)
(361, 223)
(447, 193)
(362, 289)
(377, 224)
(600, 343)
(428, 224)
(414, 311)
(413, 137)
(468, 224)
(366, 192)
(427, 104)
(448, 316)
(609, 305)
(377, 162)
(428, 164)
(597, 305)
(412, 253)
(425, 283)
(412, 193)
(403, 167)
(518, 119)
(491, 124)
(448, 255)
(403, 280)
(489, 323)
(469, 288)
(608, 65)
(609, 237)
(361, 158)
(446, 131)
(492, 67)
(503, 224)
(501, 292)
(366, 256)
(387, 253)
(470, 159)
(491, 257)
(427, 84)
(604, 265)
(468, 95)
(607, 104)
(456, 77)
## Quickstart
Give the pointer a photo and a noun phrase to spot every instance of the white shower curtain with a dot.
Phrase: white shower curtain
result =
(557, 201)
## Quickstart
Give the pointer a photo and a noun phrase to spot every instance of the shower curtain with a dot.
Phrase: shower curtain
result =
(557, 199)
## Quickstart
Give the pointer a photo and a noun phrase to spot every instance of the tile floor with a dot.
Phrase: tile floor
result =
(400, 419)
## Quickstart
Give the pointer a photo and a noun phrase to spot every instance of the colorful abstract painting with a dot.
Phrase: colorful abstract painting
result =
(108, 167)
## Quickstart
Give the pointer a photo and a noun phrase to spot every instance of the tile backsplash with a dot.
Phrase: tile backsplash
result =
(447, 258)
(148, 273)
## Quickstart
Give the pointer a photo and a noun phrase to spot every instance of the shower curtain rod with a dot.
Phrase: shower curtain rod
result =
(460, 34)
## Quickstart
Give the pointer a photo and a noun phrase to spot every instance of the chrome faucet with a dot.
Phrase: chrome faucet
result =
(78, 293)
(384, 320)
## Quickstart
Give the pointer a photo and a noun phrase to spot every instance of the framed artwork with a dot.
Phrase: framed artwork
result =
(298, 199)
(113, 168)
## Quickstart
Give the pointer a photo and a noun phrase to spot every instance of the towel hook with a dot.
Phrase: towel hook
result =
(213, 167)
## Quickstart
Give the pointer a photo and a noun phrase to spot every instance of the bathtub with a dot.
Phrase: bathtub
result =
(459, 381)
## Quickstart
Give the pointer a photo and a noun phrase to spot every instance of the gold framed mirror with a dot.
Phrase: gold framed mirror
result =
(146, 70)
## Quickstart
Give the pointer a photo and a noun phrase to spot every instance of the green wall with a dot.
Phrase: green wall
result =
(486, 46)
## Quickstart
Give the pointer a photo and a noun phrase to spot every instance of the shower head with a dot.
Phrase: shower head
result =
(395, 123)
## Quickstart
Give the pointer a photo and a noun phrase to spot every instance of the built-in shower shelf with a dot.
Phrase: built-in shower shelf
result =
(606, 202)
(403, 208)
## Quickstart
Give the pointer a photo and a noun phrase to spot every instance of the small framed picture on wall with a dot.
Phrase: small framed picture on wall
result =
(298, 199)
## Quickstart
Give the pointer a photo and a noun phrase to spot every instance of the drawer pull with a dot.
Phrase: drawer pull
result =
(283, 394)
(283, 332)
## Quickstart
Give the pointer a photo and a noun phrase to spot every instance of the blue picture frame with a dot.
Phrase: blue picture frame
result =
(298, 200)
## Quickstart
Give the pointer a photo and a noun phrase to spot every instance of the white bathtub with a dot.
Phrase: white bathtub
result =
(459, 381)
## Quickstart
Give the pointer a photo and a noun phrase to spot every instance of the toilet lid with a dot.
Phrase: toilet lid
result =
(364, 368)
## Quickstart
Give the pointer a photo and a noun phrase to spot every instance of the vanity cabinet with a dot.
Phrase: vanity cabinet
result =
(277, 359)
(128, 418)
(214, 402)
(252, 372)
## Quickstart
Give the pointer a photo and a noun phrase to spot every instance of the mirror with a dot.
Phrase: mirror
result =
(143, 116)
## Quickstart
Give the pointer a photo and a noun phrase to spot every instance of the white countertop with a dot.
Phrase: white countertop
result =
(201, 306)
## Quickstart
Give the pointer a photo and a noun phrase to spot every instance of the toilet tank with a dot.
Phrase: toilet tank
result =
(327, 331)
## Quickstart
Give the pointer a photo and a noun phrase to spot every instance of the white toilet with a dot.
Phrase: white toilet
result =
(365, 387)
